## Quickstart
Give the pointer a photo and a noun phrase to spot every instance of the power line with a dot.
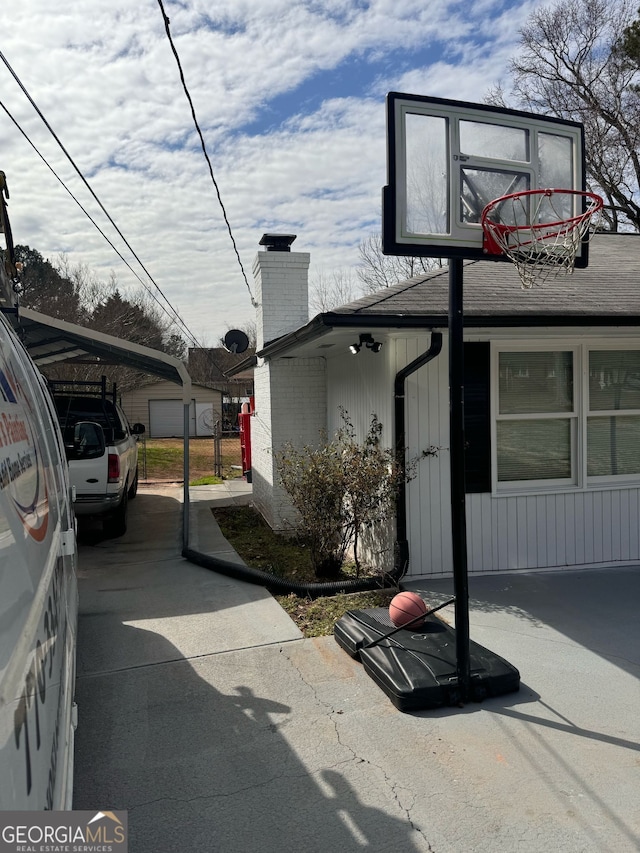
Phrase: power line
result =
(97, 227)
(175, 314)
(204, 149)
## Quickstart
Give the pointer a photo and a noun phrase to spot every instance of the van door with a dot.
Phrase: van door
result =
(38, 593)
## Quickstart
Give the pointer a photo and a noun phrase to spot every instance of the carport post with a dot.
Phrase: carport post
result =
(185, 473)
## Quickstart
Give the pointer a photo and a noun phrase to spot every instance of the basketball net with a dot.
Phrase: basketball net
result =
(546, 245)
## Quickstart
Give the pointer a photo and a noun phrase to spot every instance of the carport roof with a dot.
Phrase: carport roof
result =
(50, 340)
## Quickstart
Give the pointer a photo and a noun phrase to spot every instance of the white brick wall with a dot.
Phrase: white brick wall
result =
(291, 405)
(282, 293)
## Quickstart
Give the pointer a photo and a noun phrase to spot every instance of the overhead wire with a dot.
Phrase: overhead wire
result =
(204, 148)
(173, 313)
(175, 318)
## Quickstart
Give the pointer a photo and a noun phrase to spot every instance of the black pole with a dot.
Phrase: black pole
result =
(456, 443)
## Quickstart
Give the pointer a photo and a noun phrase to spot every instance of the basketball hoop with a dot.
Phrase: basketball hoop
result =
(537, 231)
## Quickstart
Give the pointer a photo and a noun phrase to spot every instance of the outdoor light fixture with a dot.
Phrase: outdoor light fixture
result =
(366, 340)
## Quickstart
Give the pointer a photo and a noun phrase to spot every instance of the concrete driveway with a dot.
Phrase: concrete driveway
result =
(204, 713)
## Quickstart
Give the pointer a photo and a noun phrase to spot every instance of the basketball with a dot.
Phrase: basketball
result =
(406, 606)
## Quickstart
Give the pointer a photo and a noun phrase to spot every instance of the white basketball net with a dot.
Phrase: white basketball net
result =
(546, 245)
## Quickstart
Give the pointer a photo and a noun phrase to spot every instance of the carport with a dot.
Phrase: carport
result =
(50, 340)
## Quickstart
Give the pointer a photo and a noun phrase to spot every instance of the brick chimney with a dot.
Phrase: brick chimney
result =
(282, 288)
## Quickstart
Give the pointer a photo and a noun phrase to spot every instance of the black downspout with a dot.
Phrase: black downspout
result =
(402, 545)
(279, 586)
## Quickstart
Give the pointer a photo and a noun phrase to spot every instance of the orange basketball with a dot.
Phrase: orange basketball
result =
(406, 606)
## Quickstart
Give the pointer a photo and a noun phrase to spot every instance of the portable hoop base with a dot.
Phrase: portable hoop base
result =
(416, 668)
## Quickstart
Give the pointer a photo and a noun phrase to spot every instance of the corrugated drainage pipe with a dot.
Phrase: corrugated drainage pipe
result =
(280, 586)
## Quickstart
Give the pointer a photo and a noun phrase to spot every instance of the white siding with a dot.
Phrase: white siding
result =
(504, 532)
(553, 531)
(427, 426)
(363, 386)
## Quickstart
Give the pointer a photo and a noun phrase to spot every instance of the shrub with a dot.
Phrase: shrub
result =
(340, 488)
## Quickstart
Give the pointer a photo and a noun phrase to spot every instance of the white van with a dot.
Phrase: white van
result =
(38, 589)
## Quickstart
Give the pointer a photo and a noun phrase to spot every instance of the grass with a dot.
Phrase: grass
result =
(261, 548)
(249, 534)
(161, 459)
(317, 618)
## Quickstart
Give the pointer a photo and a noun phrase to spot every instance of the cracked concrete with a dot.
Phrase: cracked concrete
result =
(204, 713)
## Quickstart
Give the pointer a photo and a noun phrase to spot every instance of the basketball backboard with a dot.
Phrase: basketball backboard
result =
(447, 159)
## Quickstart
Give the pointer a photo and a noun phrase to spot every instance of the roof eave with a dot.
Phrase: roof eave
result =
(324, 323)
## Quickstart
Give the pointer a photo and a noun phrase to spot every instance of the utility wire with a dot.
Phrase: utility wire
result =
(86, 183)
(97, 227)
(204, 149)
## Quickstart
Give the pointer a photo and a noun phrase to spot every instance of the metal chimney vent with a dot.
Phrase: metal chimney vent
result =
(277, 242)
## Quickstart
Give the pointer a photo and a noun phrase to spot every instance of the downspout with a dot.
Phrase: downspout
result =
(402, 545)
(280, 586)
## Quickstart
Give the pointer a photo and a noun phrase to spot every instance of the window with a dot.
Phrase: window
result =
(613, 421)
(566, 417)
(536, 416)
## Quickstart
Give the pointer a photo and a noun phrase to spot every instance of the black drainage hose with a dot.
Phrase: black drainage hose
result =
(280, 586)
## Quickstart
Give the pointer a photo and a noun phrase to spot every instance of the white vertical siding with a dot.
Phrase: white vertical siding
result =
(505, 533)
(551, 531)
(364, 389)
(427, 432)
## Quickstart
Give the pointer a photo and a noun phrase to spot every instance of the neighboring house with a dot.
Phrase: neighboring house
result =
(212, 367)
(159, 406)
(552, 403)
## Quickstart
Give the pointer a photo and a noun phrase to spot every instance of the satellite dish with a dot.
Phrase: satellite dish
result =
(236, 341)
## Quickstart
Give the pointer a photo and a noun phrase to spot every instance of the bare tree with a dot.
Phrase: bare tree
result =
(574, 63)
(75, 293)
(329, 291)
(378, 270)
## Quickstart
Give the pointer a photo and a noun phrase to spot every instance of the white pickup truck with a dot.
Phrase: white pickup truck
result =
(102, 451)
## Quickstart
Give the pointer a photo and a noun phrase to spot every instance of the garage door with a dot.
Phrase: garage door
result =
(166, 418)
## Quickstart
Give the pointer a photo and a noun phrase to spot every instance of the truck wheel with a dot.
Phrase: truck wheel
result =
(116, 523)
(133, 489)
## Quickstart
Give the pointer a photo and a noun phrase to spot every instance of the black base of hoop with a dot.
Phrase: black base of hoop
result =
(416, 668)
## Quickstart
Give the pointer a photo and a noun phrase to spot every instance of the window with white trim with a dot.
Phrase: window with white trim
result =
(566, 416)
(613, 418)
(536, 416)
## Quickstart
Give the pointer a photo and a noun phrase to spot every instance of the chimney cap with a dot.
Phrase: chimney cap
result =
(277, 242)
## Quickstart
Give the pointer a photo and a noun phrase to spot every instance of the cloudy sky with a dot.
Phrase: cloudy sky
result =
(289, 95)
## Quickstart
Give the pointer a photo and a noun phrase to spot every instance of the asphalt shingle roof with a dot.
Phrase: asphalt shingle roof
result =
(606, 293)
(608, 288)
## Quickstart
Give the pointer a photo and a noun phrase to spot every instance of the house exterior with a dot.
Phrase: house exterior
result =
(552, 403)
(159, 406)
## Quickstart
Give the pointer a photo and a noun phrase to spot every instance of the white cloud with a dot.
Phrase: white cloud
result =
(104, 76)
